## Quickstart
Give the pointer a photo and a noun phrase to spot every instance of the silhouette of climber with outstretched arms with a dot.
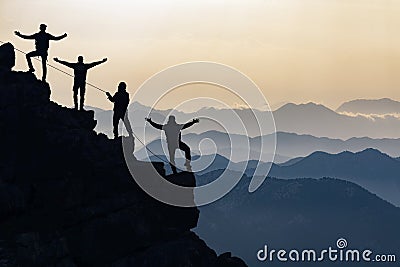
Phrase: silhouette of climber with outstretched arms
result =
(173, 133)
(121, 102)
(42, 40)
(80, 72)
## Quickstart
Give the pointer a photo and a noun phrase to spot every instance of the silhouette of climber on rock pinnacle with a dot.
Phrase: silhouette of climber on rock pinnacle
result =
(121, 102)
(173, 133)
(42, 40)
(80, 73)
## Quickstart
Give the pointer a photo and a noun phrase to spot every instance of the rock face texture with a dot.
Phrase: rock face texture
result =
(68, 199)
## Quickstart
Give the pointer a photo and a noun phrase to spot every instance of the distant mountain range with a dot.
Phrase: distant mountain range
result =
(320, 121)
(300, 214)
(311, 119)
(371, 169)
(371, 106)
(288, 146)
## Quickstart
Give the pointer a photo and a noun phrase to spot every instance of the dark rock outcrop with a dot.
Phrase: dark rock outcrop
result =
(68, 199)
(7, 57)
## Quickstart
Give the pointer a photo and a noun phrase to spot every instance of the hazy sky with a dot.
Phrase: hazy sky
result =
(325, 51)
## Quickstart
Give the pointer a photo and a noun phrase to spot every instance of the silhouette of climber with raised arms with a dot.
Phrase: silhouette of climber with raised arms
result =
(173, 133)
(42, 40)
(121, 102)
(80, 73)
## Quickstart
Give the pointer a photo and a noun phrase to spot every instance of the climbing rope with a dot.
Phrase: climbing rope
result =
(95, 87)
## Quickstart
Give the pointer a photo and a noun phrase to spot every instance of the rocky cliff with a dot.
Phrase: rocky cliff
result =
(67, 197)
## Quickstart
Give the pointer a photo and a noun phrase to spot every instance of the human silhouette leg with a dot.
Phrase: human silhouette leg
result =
(75, 89)
(116, 119)
(128, 124)
(185, 148)
(82, 100)
(29, 60)
(130, 141)
(171, 151)
(44, 67)
(129, 148)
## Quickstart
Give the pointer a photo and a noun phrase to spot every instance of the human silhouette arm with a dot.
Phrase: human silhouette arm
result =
(23, 36)
(155, 125)
(190, 123)
(110, 97)
(65, 63)
(93, 64)
(57, 38)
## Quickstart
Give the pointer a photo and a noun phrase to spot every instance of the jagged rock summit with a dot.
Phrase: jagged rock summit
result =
(67, 198)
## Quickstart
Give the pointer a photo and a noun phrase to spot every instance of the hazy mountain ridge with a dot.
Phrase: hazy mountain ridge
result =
(321, 121)
(371, 169)
(371, 106)
(288, 145)
(310, 118)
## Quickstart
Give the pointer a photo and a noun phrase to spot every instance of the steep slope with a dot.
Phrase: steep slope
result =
(67, 198)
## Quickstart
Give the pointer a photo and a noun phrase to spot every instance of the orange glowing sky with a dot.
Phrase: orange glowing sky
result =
(325, 51)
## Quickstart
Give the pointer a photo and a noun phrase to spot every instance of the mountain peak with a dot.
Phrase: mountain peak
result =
(310, 106)
(366, 152)
(373, 152)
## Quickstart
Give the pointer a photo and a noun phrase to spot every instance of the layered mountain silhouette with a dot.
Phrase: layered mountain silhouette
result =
(320, 121)
(67, 197)
(288, 145)
(309, 119)
(371, 106)
(371, 169)
(299, 214)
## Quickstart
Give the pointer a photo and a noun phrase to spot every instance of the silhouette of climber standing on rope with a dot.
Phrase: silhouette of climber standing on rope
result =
(173, 133)
(42, 40)
(121, 102)
(80, 73)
